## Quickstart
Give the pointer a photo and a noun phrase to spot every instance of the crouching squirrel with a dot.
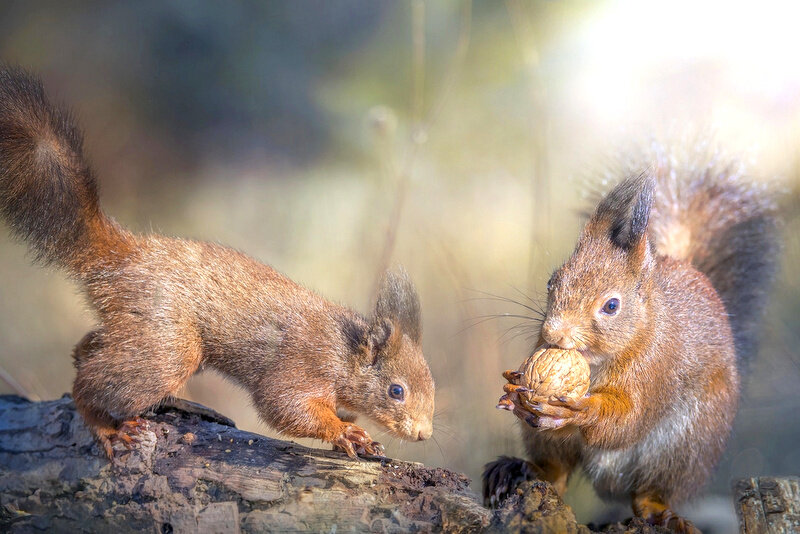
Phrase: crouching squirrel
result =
(662, 295)
(168, 307)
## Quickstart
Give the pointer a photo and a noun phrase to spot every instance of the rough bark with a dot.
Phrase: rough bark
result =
(768, 505)
(193, 471)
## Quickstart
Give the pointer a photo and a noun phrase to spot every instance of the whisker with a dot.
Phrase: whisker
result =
(438, 447)
(485, 318)
(480, 319)
(442, 412)
(521, 329)
(535, 307)
(503, 298)
(449, 432)
(537, 303)
(511, 315)
(531, 339)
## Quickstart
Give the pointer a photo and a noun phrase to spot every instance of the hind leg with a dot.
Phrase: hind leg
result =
(106, 429)
(118, 379)
(655, 510)
(99, 421)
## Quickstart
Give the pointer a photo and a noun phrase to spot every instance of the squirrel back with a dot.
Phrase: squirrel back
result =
(48, 194)
(707, 211)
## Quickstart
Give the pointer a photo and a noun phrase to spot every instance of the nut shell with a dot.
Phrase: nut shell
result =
(555, 372)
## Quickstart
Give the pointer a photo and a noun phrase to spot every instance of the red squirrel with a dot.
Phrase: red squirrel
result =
(662, 295)
(168, 307)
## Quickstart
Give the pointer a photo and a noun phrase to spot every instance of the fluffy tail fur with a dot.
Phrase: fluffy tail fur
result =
(708, 212)
(48, 194)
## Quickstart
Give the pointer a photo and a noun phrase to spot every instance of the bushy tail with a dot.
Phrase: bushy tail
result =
(48, 194)
(708, 212)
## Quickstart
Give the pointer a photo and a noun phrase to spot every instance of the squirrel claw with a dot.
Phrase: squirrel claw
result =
(354, 440)
(535, 407)
(130, 432)
(568, 402)
(373, 449)
(511, 375)
(674, 522)
(513, 388)
(505, 403)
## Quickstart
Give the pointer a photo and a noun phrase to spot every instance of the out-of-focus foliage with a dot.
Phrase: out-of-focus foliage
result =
(331, 139)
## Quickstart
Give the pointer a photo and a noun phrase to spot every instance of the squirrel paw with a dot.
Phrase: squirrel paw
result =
(128, 433)
(512, 376)
(354, 440)
(672, 521)
(554, 412)
(501, 478)
(514, 388)
(654, 510)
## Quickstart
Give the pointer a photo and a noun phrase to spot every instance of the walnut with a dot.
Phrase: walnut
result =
(555, 372)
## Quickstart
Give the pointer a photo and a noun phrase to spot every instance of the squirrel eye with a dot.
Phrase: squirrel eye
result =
(550, 285)
(611, 307)
(396, 391)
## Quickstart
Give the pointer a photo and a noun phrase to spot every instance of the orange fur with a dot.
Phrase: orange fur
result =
(168, 307)
(666, 360)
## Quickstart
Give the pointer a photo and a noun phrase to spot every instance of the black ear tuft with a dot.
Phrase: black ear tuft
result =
(398, 301)
(627, 210)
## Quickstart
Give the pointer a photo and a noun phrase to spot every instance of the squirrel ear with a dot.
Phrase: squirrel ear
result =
(367, 340)
(399, 302)
(380, 331)
(625, 211)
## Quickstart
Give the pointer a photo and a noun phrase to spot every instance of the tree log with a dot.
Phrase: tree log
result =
(768, 505)
(193, 471)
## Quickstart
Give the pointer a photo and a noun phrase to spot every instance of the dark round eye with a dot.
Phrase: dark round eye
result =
(549, 285)
(611, 307)
(396, 391)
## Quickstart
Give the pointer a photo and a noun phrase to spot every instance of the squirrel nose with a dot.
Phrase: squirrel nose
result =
(425, 433)
(555, 332)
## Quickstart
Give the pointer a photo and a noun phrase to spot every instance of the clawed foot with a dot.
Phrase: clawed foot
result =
(502, 476)
(354, 440)
(672, 521)
(557, 412)
(543, 412)
(128, 433)
(512, 376)
(655, 510)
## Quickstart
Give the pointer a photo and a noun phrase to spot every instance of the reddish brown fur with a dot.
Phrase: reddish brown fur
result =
(168, 307)
(665, 373)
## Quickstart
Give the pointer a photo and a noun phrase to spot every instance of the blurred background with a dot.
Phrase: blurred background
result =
(334, 139)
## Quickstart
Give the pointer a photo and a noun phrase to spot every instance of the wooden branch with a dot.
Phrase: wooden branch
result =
(193, 471)
(768, 505)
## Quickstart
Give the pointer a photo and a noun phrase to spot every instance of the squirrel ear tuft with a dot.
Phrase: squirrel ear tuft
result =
(399, 302)
(625, 211)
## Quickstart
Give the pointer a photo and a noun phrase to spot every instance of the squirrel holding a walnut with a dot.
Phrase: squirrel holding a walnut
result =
(662, 297)
(169, 307)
